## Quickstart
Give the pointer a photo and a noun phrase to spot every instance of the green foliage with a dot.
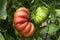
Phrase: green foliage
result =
(8, 7)
(59, 38)
(1, 36)
(9, 37)
(44, 30)
(58, 12)
(50, 29)
(39, 38)
(3, 12)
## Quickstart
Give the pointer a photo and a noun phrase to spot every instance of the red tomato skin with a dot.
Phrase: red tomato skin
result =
(18, 20)
(32, 30)
(21, 14)
(23, 9)
(27, 29)
(20, 27)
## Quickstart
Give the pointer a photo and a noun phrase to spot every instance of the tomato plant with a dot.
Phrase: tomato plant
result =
(29, 19)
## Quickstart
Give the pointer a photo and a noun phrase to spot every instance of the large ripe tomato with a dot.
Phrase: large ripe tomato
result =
(21, 22)
(21, 15)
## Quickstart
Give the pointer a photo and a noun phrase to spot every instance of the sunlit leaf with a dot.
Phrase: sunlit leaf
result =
(39, 38)
(3, 12)
(44, 30)
(52, 28)
(1, 37)
(58, 12)
(59, 38)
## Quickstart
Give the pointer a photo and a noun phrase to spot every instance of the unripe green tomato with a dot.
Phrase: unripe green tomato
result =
(38, 19)
(42, 9)
(41, 15)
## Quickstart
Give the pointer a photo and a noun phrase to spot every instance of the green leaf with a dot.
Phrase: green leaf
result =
(52, 28)
(59, 21)
(1, 37)
(52, 14)
(34, 38)
(52, 2)
(9, 37)
(59, 38)
(3, 12)
(44, 30)
(39, 38)
(58, 12)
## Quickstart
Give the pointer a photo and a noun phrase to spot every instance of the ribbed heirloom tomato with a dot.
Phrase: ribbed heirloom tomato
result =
(41, 15)
(21, 22)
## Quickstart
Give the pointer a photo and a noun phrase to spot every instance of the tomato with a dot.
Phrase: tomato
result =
(41, 15)
(18, 20)
(32, 30)
(42, 12)
(27, 29)
(21, 22)
(21, 14)
(23, 9)
(20, 27)
(38, 20)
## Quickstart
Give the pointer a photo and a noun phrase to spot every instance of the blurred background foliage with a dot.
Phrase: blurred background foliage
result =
(49, 32)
